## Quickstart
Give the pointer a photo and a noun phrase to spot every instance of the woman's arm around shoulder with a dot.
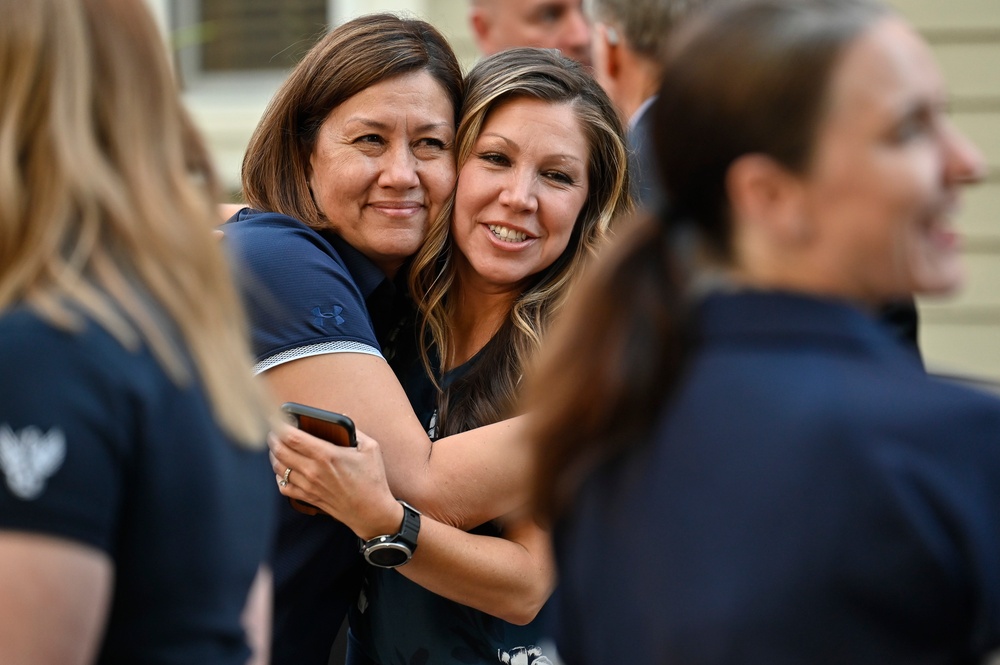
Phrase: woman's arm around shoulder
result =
(469, 479)
(510, 577)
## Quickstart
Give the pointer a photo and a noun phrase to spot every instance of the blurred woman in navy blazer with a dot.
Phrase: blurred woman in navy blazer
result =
(745, 467)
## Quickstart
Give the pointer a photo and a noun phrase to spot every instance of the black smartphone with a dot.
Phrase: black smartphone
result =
(336, 428)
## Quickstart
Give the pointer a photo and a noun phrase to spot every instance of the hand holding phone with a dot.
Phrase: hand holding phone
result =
(336, 428)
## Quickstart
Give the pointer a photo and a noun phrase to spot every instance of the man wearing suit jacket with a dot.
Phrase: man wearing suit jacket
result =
(628, 38)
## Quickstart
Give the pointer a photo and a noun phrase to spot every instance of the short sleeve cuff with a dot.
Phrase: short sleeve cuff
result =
(339, 346)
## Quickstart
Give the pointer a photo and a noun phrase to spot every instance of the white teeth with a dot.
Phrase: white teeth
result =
(507, 235)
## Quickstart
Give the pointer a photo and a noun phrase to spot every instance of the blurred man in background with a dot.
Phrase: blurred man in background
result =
(628, 37)
(560, 24)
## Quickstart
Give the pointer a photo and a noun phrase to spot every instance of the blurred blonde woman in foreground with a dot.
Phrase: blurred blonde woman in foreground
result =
(135, 512)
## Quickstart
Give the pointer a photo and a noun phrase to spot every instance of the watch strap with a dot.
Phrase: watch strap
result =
(393, 550)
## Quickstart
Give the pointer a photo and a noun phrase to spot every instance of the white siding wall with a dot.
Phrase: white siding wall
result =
(962, 334)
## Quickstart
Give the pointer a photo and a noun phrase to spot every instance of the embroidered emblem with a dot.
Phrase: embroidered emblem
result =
(432, 427)
(321, 316)
(29, 458)
(523, 656)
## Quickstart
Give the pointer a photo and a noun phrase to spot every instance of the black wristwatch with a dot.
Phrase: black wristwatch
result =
(391, 551)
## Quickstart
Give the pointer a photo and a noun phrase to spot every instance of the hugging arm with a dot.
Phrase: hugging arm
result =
(288, 272)
(469, 479)
(510, 577)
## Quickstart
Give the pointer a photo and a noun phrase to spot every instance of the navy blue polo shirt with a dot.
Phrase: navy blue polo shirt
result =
(305, 290)
(310, 293)
(100, 447)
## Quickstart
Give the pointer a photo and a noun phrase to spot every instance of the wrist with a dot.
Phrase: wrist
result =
(388, 521)
(391, 550)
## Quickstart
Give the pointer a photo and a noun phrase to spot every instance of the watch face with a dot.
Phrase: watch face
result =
(388, 555)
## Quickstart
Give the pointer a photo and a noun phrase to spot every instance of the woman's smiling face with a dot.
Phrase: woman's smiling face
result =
(887, 171)
(383, 166)
(520, 193)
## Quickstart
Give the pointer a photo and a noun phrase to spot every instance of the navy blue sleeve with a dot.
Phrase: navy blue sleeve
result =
(300, 296)
(62, 449)
(946, 486)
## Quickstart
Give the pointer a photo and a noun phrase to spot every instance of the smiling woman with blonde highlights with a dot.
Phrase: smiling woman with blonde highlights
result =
(520, 319)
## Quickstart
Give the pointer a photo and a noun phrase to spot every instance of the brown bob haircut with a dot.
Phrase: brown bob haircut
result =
(352, 57)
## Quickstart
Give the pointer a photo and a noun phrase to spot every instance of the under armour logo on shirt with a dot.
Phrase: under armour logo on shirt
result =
(321, 316)
(29, 458)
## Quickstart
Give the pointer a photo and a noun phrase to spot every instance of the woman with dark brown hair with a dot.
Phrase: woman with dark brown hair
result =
(350, 163)
(745, 466)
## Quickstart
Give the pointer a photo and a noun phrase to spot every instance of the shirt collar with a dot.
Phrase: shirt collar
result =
(787, 319)
(366, 274)
(634, 120)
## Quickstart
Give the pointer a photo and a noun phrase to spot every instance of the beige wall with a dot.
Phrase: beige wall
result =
(451, 17)
(962, 334)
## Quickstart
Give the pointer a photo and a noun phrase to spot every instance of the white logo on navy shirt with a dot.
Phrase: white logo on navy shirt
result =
(29, 458)
(523, 656)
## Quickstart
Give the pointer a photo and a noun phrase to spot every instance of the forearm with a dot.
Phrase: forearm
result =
(256, 617)
(507, 578)
(472, 477)
(463, 480)
(54, 600)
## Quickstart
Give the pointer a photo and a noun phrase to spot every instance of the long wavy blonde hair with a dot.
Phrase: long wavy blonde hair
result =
(108, 198)
(487, 392)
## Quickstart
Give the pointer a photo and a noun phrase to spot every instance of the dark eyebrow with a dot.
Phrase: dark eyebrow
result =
(367, 122)
(381, 126)
(432, 126)
(919, 109)
(563, 157)
(499, 137)
(554, 7)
